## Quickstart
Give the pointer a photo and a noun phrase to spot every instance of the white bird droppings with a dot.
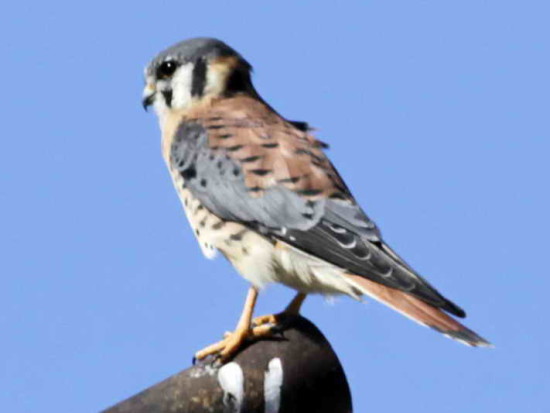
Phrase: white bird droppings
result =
(273, 380)
(231, 380)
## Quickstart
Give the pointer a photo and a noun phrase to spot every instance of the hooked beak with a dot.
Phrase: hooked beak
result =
(148, 96)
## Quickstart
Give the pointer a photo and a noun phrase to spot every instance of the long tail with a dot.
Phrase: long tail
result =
(419, 311)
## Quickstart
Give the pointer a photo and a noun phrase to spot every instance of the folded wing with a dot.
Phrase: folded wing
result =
(245, 163)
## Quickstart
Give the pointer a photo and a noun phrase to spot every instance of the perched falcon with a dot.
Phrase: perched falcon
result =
(259, 189)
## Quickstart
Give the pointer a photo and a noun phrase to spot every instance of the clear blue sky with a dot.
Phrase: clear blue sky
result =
(438, 117)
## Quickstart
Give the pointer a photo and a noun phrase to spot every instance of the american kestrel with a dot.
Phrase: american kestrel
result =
(259, 189)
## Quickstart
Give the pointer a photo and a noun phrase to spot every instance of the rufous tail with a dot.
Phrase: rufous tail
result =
(419, 311)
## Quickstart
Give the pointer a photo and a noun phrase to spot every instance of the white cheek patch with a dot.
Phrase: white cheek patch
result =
(181, 86)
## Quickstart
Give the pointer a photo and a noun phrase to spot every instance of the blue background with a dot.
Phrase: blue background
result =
(437, 113)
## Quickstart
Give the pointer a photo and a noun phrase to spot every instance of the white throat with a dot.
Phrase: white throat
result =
(180, 87)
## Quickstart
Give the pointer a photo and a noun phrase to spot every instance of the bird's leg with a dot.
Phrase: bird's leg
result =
(233, 341)
(248, 328)
(295, 305)
(268, 321)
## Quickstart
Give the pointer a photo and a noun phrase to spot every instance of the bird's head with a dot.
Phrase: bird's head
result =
(193, 71)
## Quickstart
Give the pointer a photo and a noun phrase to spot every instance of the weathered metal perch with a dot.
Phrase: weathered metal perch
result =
(296, 371)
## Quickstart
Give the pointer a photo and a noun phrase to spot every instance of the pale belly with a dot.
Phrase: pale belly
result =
(257, 258)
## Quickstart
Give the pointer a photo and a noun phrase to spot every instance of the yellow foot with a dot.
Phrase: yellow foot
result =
(274, 320)
(232, 342)
(270, 320)
(263, 326)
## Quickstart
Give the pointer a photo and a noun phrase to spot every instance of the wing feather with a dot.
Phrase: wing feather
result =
(246, 163)
(420, 312)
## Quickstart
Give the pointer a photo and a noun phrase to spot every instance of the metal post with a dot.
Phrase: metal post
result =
(296, 371)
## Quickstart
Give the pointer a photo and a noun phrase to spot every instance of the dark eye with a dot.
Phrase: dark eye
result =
(166, 69)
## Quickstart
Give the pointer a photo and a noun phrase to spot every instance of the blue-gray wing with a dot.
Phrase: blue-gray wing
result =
(264, 172)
